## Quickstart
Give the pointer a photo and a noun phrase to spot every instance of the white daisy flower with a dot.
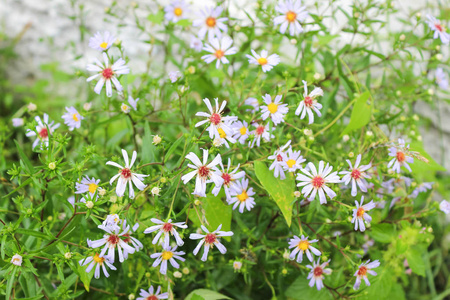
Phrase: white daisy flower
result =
(16, 260)
(242, 196)
(219, 49)
(209, 22)
(215, 119)
(125, 176)
(174, 76)
(43, 129)
(439, 29)
(166, 228)
(317, 181)
(87, 185)
(203, 171)
(114, 238)
(317, 273)
(441, 78)
(274, 109)
(309, 103)
(360, 214)
(264, 60)
(210, 239)
(292, 160)
(261, 131)
(17, 122)
(356, 175)
(196, 43)
(128, 239)
(252, 102)
(229, 179)
(176, 10)
(224, 138)
(152, 295)
(102, 42)
(362, 271)
(445, 206)
(72, 118)
(401, 156)
(168, 254)
(302, 245)
(423, 187)
(241, 132)
(277, 164)
(107, 74)
(97, 261)
(292, 13)
(111, 221)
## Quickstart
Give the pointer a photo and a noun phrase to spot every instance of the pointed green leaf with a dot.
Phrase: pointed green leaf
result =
(361, 113)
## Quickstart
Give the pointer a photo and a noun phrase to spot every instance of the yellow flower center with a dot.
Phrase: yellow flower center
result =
(166, 255)
(303, 245)
(242, 197)
(211, 22)
(92, 188)
(219, 54)
(222, 133)
(177, 11)
(104, 45)
(290, 163)
(98, 259)
(124, 107)
(262, 61)
(243, 130)
(75, 117)
(291, 16)
(360, 212)
(272, 107)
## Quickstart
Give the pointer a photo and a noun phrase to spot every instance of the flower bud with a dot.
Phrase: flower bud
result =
(156, 140)
(89, 204)
(185, 271)
(31, 106)
(237, 265)
(155, 191)
(177, 274)
(52, 165)
(68, 255)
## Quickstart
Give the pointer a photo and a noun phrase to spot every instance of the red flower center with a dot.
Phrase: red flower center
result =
(279, 157)
(107, 73)
(113, 239)
(43, 133)
(126, 173)
(308, 101)
(167, 227)
(362, 271)
(356, 174)
(401, 156)
(260, 130)
(203, 171)
(215, 119)
(360, 212)
(152, 297)
(317, 182)
(439, 27)
(226, 178)
(210, 238)
(126, 237)
(318, 271)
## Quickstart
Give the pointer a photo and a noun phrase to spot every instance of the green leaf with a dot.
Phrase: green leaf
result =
(148, 149)
(415, 261)
(423, 170)
(24, 158)
(11, 278)
(300, 290)
(383, 233)
(282, 191)
(361, 113)
(84, 276)
(206, 295)
(173, 147)
(157, 18)
(35, 233)
(381, 286)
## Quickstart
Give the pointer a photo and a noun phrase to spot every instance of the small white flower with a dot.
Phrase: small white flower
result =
(241, 195)
(252, 102)
(203, 172)
(210, 239)
(423, 187)
(156, 140)
(209, 22)
(278, 162)
(215, 119)
(261, 131)
(316, 181)
(445, 206)
(87, 185)
(87, 106)
(101, 42)
(302, 245)
(401, 156)
(316, 275)
(72, 118)
(441, 78)
(219, 49)
(43, 129)
(125, 176)
(356, 175)
(107, 74)
(125, 108)
(174, 76)
(309, 103)
(274, 109)
(152, 295)
(166, 228)
(155, 191)
(97, 262)
(16, 260)
(176, 10)
(237, 265)
(31, 106)
(111, 221)
(359, 214)
(241, 132)
(264, 60)
(17, 122)
(196, 43)
(292, 160)
(439, 29)
(292, 13)
(224, 138)
(229, 179)
(168, 254)
(362, 271)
